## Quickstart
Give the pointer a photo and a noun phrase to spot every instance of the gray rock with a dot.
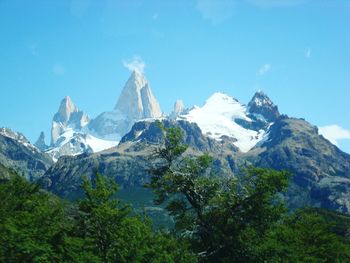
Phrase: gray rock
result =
(40, 142)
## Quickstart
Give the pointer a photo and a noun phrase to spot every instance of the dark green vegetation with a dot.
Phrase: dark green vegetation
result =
(36, 226)
(217, 219)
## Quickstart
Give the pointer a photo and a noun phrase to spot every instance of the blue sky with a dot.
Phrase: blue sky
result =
(297, 51)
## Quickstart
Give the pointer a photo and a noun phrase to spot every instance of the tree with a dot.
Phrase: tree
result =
(36, 226)
(115, 235)
(306, 236)
(225, 219)
(32, 225)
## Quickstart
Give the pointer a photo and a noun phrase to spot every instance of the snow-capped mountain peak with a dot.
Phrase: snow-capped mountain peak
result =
(221, 104)
(221, 115)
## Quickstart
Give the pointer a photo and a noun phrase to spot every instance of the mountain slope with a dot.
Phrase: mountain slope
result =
(17, 152)
(129, 161)
(321, 172)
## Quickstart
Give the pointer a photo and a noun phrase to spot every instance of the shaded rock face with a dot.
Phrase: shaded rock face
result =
(261, 106)
(17, 152)
(320, 171)
(40, 142)
(149, 132)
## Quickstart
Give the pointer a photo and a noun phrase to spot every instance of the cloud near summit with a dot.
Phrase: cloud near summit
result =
(135, 64)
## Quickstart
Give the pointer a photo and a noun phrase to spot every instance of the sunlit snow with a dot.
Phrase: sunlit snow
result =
(217, 118)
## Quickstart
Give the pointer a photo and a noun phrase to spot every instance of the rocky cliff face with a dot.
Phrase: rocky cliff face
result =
(262, 107)
(135, 102)
(40, 142)
(18, 153)
(67, 117)
(320, 171)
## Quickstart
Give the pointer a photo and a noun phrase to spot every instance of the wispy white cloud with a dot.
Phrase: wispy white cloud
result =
(334, 133)
(308, 53)
(276, 3)
(216, 11)
(58, 69)
(264, 69)
(135, 64)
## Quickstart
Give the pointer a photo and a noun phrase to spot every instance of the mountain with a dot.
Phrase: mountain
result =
(262, 107)
(18, 153)
(70, 134)
(321, 172)
(236, 136)
(73, 132)
(127, 162)
(68, 116)
(136, 102)
(222, 115)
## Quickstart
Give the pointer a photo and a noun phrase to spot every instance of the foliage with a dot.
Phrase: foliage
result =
(238, 219)
(116, 236)
(38, 227)
(305, 236)
(34, 226)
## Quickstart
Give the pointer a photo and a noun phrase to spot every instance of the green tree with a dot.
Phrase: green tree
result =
(224, 218)
(306, 236)
(115, 235)
(31, 223)
(35, 225)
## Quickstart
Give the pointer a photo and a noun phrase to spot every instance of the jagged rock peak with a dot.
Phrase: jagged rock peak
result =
(68, 116)
(262, 105)
(40, 142)
(66, 108)
(137, 100)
